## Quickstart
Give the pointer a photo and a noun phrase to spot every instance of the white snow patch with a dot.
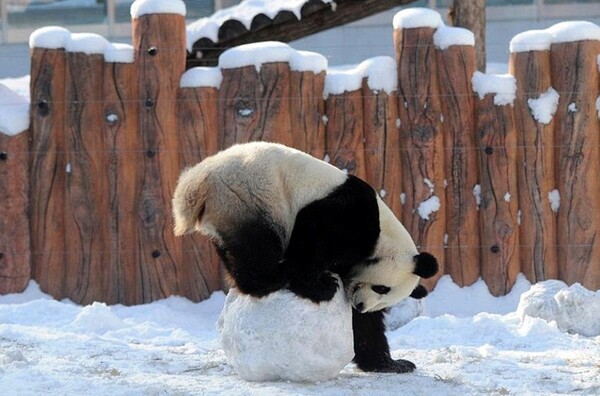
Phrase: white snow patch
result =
(554, 198)
(244, 13)
(564, 32)
(399, 122)
(572, 108)
(325, 119)
(380, 72)
(477, 194)
(519, 216)
(327, 158)
(68, 168)
(446, 36)
(87, 43)
(283, 337)
(544, 107)
(503, 86)
(119, 53)
(382, 193)
(198, 77)
(402, 198)
(429, 184)
(427, 207)
(532, 40)
(50, 37)
(143, 7)
(598, 105)
(308, 61)
(14, 112)
(575, 309)
(507, 197)
(417, 17)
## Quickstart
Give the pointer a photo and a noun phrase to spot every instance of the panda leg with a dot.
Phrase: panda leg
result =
(371, 349)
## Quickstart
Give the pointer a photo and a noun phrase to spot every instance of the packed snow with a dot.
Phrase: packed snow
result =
(429, 206)
(143, 7)
(544, 107)
(119, 53)
(447, 36)
(201, 77)
(14, 112)
(417, 17)
(502, 86)
(380, 73)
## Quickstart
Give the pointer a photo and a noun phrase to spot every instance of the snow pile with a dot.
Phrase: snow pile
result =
(503, 86)
(143, 7)
(380, 73)
(50, 37)
(544, 107)
(196, 77)
(244, 13)
(417, 17)
(447, 36)
(119, 53)
(14, 112)
(575, 309)
(285, 337)
(564, 32)
(531, 40)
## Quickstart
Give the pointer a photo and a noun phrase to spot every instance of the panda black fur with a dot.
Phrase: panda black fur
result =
(283, 219)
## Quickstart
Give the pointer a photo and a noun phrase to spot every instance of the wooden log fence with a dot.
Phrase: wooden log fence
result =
(474, 176)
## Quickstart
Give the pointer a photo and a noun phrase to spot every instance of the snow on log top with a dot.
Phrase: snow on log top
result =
(446, 36)
(417, 18)
(143, 7)
(504, 86)
(119, 53)
(14, 112)
(87, 43)
(564, 32)
(257, 54)
(245, 12)
(50, 37)
(198, 77)
(380, 72)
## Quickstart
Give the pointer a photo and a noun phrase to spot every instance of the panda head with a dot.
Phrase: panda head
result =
(392, 273)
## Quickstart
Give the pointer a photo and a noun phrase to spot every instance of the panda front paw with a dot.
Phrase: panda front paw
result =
(399, 366)
(322, 288)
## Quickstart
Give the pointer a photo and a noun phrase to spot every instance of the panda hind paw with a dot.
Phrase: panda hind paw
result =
(322, 289)
(399, 366)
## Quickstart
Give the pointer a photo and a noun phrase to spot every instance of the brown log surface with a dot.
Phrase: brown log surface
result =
(421, 139)
(15, 248)
(307, 111)
(535, 169)
(575, 77)
(48, 170)
(456, 66)
(497, 142)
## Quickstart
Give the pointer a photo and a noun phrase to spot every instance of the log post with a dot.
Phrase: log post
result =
(197, 109)
(159, 43)
(15, 248)
(48, 166)
(422, 141)
(456, 65)
(87, 207)
(255, 105)
(575, 77)
(535, 164)
(497, 143)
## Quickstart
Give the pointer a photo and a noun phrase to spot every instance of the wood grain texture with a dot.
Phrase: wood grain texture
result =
(497, 140)
(535, 169)
(48, 170)
(575, 77)
(87, 203)
(15, 243)
(255, 105)
(422, 142)
(198, 134)
(159, 42)
(344, 141)
(456, 66)
(307, 111)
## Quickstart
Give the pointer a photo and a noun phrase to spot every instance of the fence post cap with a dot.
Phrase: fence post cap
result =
(143, 7)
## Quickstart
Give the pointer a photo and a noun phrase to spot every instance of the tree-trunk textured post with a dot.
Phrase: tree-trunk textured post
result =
(422, 141)
(575, 77)
(48, 169)
(307, 111)
(497, 141)
(535, 166)
(15, 248)
(471, 15)
(456, 65)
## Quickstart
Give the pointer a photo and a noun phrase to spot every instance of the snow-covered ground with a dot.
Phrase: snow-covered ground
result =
(465, 342)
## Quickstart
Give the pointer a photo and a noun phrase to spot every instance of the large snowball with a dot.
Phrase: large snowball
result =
(285, 337)
(574, 309)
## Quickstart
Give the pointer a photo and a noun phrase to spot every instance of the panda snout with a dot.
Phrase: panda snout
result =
(359, 307)
(426, 265)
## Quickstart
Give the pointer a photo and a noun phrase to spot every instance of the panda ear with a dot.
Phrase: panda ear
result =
(419, 292)
(425, 265)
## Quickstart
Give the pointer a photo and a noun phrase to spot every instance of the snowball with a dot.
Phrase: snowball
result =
(574, 31)
(14, 112)
(380, 72)
(532, 40)
(118, 53)
(51, 37)
(544, 107)
(87, 43)
(197, 77)
(554, 197)
(143, 7)
(504, 86)
(417, 17)
(427, 207)
(575, 309)
(285, 337)
(446, 36)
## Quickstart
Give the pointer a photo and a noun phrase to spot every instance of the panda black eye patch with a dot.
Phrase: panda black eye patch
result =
(380, 289)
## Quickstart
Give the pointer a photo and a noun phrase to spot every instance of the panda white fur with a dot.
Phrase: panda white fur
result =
(281, 218)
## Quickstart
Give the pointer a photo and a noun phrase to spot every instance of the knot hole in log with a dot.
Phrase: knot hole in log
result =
(43, 108)
(3, 156)
(243, 108)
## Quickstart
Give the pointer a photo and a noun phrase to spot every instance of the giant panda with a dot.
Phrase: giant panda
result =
(281, 218)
